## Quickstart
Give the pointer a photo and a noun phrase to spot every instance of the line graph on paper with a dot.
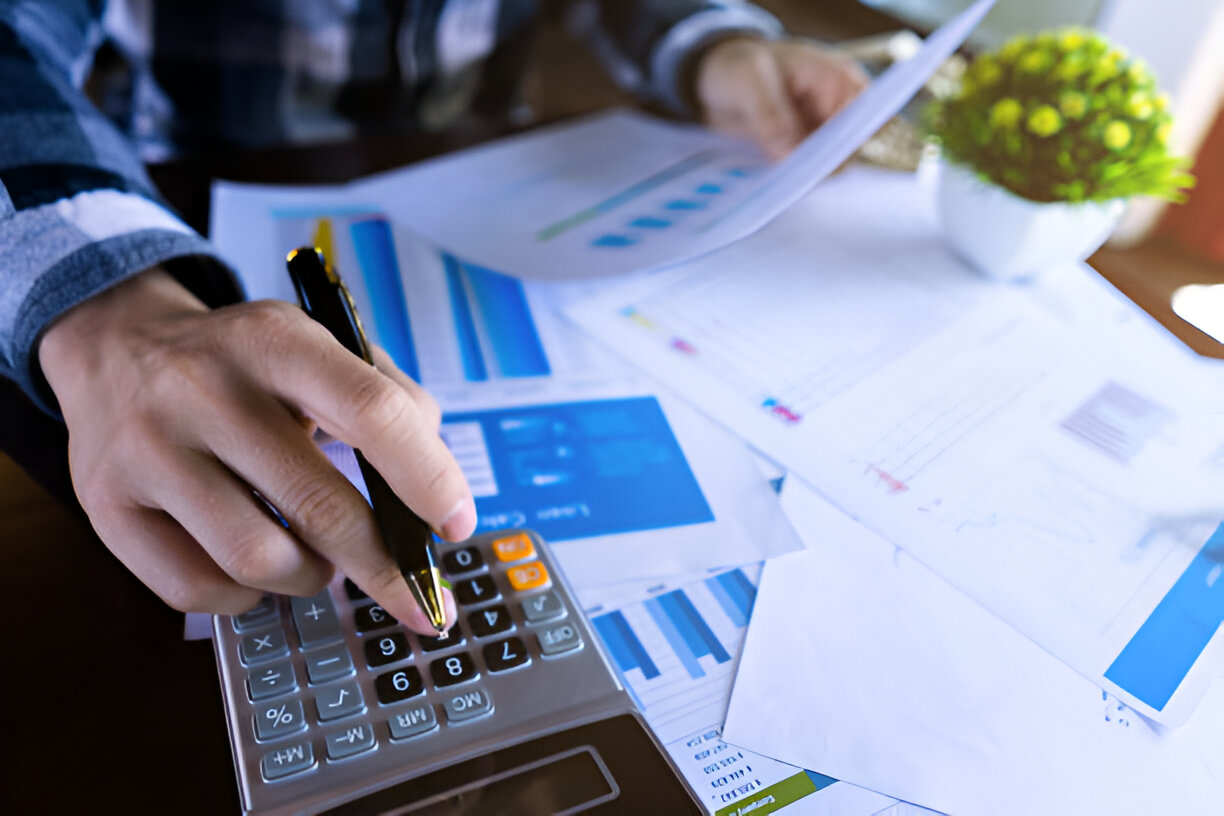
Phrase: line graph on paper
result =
(792, 361)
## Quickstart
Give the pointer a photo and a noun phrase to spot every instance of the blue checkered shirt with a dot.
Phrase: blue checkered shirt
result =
(77, 211)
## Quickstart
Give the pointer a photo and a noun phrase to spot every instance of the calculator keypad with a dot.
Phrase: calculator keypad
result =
(333, 678)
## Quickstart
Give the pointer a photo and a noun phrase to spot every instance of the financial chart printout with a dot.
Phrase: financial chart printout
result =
(553, 432)
(677, 650)
(1043, 447)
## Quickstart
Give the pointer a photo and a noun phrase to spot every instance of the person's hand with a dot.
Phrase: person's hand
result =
(176, 413)
(773, 92)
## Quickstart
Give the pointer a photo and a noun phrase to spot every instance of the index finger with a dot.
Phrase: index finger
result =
(303, 365)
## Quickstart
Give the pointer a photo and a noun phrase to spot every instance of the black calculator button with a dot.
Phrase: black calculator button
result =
(386, 649)
(433, 644)
(398, 685)
(370, 618)
(467, 559)
(354, 592)
(491, 621)
(447, 671)
(476, 590)
(506, 654)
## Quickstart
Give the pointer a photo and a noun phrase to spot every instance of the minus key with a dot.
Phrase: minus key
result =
(328, 664)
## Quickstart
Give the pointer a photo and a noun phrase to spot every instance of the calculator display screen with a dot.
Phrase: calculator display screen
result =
(558, 784)
(604, 767)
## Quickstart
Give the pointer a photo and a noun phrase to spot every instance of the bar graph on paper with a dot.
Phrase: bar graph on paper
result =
(443, 321)
(677, 651)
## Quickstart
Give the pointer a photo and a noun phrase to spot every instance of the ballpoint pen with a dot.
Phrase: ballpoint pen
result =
(325, 298)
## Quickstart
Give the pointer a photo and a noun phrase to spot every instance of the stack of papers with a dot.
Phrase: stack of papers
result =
(992, 582)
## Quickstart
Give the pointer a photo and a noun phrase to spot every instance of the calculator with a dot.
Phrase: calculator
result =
(334, 707)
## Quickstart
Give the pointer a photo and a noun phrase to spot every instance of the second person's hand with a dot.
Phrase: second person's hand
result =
(774, 92)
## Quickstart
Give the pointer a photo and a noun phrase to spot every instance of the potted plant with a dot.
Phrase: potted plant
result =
(1041, 146)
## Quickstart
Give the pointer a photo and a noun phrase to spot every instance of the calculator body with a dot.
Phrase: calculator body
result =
(334, 707)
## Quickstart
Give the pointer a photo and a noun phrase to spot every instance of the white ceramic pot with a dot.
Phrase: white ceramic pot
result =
(1007, 237)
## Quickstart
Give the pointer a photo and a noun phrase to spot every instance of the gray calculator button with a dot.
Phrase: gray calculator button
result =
(288, 760)
(542, 607)
(342, 701)
(279, 719)
(271, 681)
(557, 639)
(413, 722)
(315, 619)
(353, 740)
(467, 705)
(328, 664)
(261, 647)
(261, 614)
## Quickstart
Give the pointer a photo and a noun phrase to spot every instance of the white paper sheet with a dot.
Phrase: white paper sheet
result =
(862, 662)
(1045, 448)
(568, 479)
(621, 192)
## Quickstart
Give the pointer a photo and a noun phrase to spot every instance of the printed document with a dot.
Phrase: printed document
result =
(624, 479)
(621, 192)
(863, 663)
(1042, 447)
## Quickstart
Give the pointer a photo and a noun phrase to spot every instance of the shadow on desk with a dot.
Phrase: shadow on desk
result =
(103, 704)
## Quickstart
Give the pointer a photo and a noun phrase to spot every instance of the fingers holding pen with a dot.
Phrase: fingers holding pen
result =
(394, 424)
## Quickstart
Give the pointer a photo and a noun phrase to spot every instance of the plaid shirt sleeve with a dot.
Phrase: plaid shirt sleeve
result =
(646, 45)
(77, 211)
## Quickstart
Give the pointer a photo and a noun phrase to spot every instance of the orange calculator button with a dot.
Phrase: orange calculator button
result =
(528, 576)
(514, 548)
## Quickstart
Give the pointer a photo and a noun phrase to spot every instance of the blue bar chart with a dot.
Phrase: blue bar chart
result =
(375, 249)
(676, 651)
(441, 319)
(680, 633)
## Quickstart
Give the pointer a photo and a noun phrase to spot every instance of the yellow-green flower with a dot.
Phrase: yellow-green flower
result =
(1140, 106)
(1045, 121)
(986, 71)
(1070, 67)
(1073, 104)
(1161, 101)
(1034, 62)
(1138, 71)
(1014, 47)
(1163, 132)
(1071, 40)
(1006, 113)
(1117, 135)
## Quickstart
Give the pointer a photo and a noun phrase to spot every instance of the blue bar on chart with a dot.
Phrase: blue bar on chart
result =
(474, 368)
(375, 249)
(687, 632)
(507, 320)
(1164, 649)
(627, 651)
(735, 594)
